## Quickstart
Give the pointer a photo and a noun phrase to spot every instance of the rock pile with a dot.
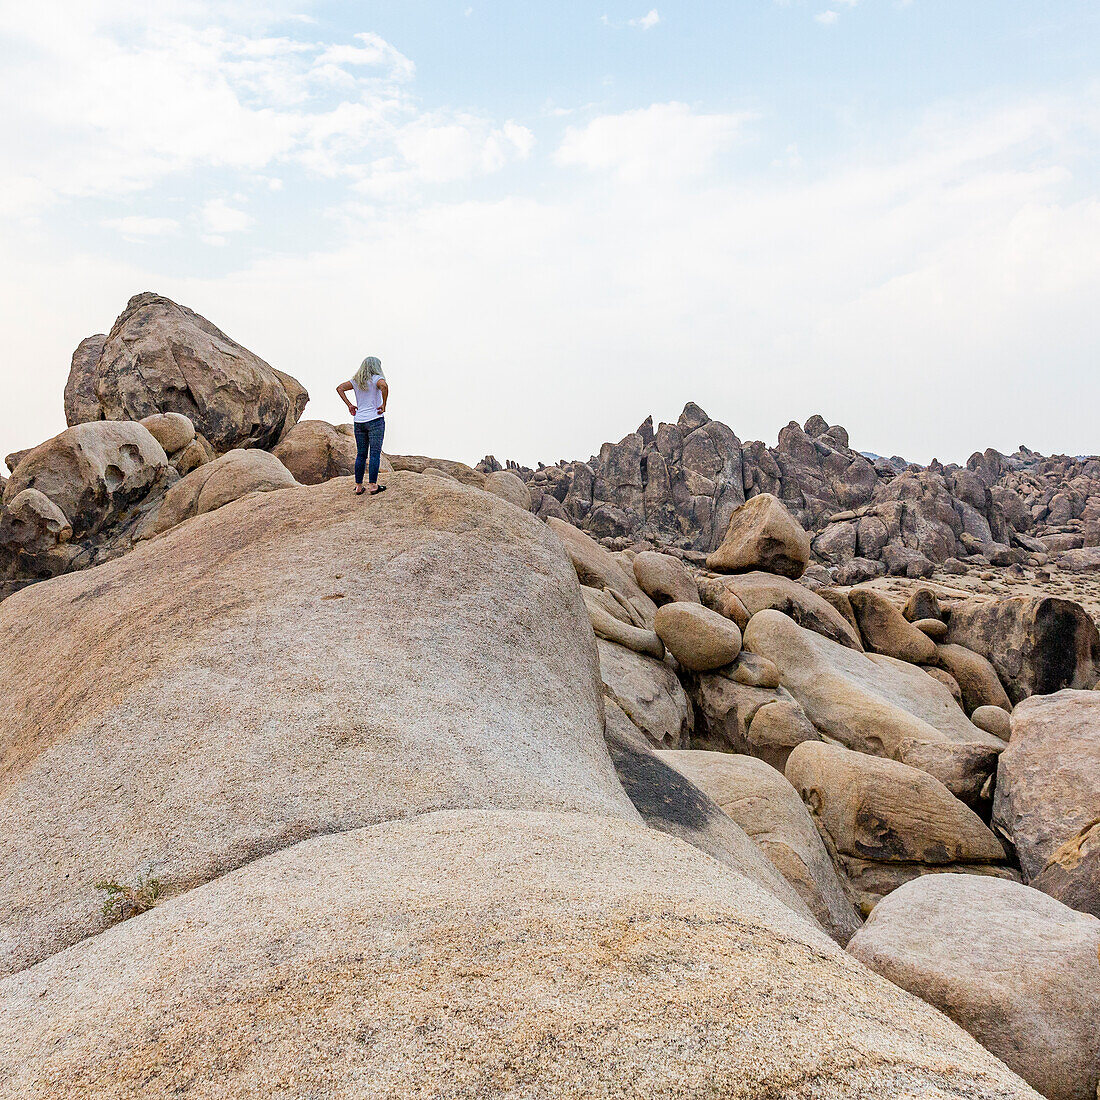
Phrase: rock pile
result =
(423, 796)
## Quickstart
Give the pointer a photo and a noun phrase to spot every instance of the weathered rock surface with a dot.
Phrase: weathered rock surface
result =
(315, 451)
(700, 639)
(762, 535)
(978, 681)
(885, 630)
(173, 431)
(163, 357)
(221, 482)
(764, 591)
(429, 970)
(670, 802)
(763, 803)
(875, 704)
(598, 569)
(994, 720)
(1038, 645)
(1047, 800)
(81, 404)
(189, 707)
(1014, 967)
(459, 471)
(509, 486)
(664, 579)
(608, 622)
(886, 811)
(648, 692)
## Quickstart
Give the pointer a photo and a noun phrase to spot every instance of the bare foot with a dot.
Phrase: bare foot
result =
(359, 490)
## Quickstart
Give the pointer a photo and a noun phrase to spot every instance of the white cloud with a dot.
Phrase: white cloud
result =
(828, 18)
(660, 142)
(647, 21)
(137, 227)
(219, 218)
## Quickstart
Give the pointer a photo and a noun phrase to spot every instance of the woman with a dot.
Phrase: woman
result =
(368, 412)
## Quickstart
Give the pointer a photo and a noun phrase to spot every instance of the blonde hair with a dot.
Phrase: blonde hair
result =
(370, 367)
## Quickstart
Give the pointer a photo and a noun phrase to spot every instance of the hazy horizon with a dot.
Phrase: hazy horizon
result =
(550, 221)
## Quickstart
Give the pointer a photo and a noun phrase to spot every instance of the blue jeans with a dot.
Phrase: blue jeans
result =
(369, 437)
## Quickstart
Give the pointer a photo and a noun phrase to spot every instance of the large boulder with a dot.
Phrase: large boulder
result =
(765, 591)
(664, 578)
(648, 692)
(762, 535)
(979, 684)
(94, 473)
(763, 803)
(217, 483)
(876, 704)
(163, 357)
(700, 639)
(481, 952)
(1047, 800)
(886, 630)
(609, 622)
(1037, 644)
(883, 810)
(315, 451)
(448, 467)
(81, 404)
(258, 676)
(1014, 967)
(509, 486)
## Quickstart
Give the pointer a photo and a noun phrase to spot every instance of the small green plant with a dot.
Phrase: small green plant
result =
(122, 902)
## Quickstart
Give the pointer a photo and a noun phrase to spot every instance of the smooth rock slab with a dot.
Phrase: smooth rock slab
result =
(875, 704)
(478, 954)
(1014, 967)
(1047, 800)
(700, 639)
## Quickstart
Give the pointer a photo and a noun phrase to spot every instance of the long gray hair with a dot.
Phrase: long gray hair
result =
(368, 369)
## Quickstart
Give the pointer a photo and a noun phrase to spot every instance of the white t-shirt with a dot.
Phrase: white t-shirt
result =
(368, 400)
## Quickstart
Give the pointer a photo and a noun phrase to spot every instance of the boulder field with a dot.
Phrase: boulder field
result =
(534, 783)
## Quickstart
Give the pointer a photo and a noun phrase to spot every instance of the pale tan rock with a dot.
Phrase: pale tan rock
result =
(612, 627)
(93, 472)
(1037, 644)
(509, 486)
(315, 451)
(764, 591)
(173, 431)
(994, 720)
(886, 811)
(875, 704)
(162, 357)
(1047, 800)
(297, 662)
(419, 464)
(664, 578)
(700, 639)
(977, 678)
(649, 692)
(479, 953)
(753, 671)
(871, 880)
(217, 483)
(776, 728)
(885, 630)
(763, 803)
(1015, 968)
(762, 535)
(597, 568)
(838, 598)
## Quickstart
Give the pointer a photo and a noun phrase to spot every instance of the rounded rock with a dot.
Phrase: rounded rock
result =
(700, 639)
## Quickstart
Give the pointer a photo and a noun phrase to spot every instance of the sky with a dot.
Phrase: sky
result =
(553, 219)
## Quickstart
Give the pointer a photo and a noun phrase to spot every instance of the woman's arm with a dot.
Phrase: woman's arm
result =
(342, 390)
(384, 390)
